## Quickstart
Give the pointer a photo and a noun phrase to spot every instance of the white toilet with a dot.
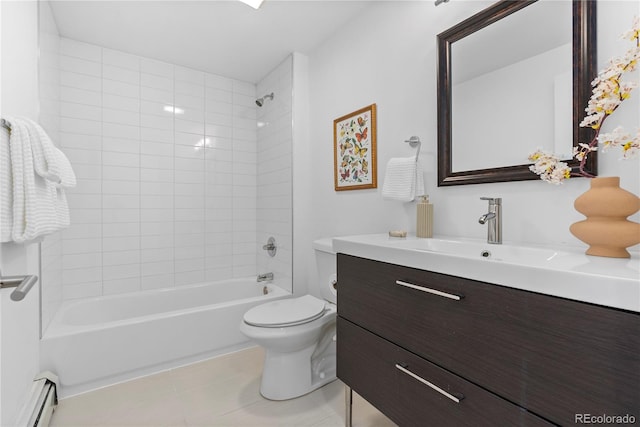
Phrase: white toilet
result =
(298, 335)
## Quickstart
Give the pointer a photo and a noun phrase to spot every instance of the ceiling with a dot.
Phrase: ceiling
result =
(222, 37)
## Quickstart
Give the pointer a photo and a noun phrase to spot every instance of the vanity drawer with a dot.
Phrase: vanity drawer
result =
(413, 392)
(550, 355)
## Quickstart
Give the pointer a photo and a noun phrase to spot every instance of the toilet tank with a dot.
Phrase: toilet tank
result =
(326, 268)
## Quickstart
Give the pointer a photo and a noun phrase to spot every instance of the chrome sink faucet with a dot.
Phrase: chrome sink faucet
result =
(493, 219)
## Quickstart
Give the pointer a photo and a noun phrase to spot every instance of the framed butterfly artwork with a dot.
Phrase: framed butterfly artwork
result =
(354, 150)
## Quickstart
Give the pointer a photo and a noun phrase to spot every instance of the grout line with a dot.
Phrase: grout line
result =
(173, 189)
(140, 285)
(101, 173)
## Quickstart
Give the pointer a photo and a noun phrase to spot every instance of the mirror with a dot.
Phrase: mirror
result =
(513, 78)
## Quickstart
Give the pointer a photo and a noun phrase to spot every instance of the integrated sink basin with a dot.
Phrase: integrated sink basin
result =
(478, 249)
(564, 272)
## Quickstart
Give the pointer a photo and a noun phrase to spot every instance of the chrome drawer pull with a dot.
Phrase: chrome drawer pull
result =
(433, 386)
(429, 290)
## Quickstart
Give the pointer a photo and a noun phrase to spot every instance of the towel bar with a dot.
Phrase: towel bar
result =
(413, 141)
(22, 285)
(5, 124)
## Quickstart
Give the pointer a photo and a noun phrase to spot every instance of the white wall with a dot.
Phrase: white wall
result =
(388, 56)
(163, 199)
(303, 197)
(19, 321)
(1, 62)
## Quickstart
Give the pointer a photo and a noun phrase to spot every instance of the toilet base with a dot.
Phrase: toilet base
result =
(289, 375)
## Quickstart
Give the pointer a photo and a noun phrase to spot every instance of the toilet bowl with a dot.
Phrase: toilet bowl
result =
(298, 335)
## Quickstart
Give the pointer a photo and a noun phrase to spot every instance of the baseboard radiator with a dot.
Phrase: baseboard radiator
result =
(42, 401)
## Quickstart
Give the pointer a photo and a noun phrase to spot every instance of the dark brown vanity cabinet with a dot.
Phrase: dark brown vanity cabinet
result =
(433, 349)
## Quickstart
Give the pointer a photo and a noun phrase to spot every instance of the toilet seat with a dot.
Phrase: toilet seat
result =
(287, 312)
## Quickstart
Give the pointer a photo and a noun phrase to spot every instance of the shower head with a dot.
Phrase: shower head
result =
(260, 101)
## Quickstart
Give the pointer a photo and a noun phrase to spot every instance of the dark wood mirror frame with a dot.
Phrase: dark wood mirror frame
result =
(584, 71)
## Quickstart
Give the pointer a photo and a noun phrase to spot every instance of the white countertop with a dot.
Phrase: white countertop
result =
(563, 272)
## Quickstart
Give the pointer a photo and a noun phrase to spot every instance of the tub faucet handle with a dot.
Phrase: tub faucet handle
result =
(270, 247)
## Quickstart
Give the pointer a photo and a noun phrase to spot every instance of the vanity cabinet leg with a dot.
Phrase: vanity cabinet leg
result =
(348, 404)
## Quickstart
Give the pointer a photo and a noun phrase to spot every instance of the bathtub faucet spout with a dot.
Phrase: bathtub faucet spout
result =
(265, 276)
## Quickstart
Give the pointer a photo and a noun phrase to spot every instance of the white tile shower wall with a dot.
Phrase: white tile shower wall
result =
(245, 179)
(49, 118)
(157, 175)
(274, 172)
(121, 197)
(189, 155)
(81, 139)
(166, 162)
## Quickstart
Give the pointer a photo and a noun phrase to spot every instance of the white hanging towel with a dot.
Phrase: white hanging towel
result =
(6, 187)
(49, 162)
(403, 180)
(38, 205)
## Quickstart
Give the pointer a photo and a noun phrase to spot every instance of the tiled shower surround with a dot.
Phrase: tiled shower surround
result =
(274, 171)
(49, 97)
(167, 165)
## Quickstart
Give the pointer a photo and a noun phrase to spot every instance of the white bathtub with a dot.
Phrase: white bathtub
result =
(99, 341)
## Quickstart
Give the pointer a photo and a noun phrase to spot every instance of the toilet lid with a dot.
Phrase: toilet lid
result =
(286, 312)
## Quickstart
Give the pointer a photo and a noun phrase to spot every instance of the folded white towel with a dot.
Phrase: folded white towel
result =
(39, 207)
(6, 188)
(49, 162)
(404, 179)
(419, 180)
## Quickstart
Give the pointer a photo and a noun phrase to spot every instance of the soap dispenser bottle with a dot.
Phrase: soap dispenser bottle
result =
(424, 226)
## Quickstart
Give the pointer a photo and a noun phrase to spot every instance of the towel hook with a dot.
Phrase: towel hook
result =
(413, 141)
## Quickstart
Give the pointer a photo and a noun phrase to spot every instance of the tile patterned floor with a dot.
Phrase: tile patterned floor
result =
(221, 392)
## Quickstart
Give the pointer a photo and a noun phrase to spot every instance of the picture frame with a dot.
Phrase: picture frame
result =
(354, 150)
